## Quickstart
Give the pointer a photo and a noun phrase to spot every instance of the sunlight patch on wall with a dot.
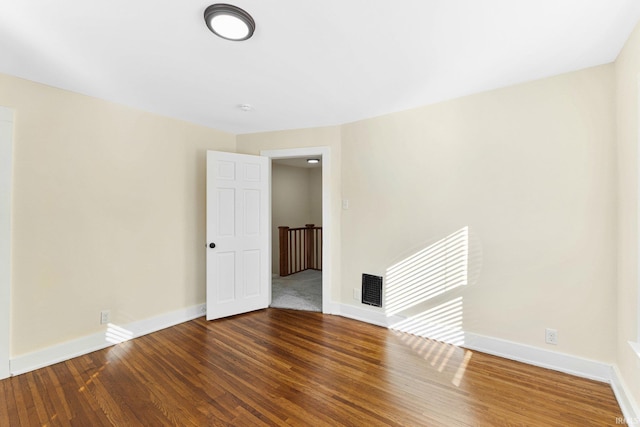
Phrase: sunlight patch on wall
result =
(424, 310)
(442, 323)
(116, 334)
(439, 268)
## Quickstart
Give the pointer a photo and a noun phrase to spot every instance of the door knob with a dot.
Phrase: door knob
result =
(212, 245)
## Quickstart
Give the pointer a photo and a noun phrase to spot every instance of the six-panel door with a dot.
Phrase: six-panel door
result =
(237, 234)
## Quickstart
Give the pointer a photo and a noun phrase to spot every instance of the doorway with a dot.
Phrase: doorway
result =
(322, 153)
(296, 215)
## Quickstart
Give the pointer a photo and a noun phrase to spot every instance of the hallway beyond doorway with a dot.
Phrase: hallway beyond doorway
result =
(300, 291)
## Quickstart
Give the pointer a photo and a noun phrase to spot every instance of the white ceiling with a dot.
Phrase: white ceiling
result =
(299, 162)
(309, 63)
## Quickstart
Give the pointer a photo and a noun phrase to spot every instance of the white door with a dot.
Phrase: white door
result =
(238, 257)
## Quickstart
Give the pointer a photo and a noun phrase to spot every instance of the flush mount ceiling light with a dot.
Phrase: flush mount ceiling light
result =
(229, 22)
(313, 161)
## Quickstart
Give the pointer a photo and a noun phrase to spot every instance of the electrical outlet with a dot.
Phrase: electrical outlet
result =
(105, 317)
(357, 294)
(551, 336)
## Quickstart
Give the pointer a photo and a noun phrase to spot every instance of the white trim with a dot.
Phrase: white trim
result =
(269, 235)
(328, 306)
(530, 355)
(363, 314)
(638, 212)
(630, 411)
(6, 164)
(78, 347)
(509, 350)
(569, 364)
(561, 362)
(635, 346)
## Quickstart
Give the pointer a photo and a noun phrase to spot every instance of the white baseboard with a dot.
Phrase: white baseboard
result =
(329, 307)
(568, 364)
(98, 341)
(509, 350)
(544, 358)
(367, 315)
(630, 410)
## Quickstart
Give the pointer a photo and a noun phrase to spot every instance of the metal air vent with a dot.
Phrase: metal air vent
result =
(372, 290)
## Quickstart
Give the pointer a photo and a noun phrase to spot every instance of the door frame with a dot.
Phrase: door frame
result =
(6, 165)
(328, 306)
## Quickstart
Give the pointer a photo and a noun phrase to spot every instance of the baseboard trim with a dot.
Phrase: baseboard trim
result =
(535, 356)
(98, 341)
(569, 364)
(630, 410)
(543, 358)
(366, 315)
(509, 350)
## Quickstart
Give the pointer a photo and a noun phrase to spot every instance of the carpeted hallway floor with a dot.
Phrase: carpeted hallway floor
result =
(300, 291)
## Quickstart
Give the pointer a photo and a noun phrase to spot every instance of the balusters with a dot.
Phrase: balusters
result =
(300, 249)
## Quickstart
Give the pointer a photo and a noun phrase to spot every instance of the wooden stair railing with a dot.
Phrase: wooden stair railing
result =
(300, 249)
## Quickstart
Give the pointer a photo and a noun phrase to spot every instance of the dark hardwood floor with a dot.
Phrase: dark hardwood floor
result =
(282, 367)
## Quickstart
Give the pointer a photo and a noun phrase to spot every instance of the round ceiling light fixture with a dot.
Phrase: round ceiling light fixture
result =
(229, 22)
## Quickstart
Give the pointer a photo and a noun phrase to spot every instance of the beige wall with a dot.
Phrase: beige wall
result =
(315, 195)
(627, 69)
(530, 169)
(108, 213)
(293, 202)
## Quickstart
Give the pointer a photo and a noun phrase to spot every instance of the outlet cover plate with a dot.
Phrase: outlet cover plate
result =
(105, 317)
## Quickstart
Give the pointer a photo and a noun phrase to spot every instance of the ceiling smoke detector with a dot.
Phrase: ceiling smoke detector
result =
(245, 108)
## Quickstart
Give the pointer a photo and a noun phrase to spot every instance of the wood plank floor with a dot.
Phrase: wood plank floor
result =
(281, 367)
